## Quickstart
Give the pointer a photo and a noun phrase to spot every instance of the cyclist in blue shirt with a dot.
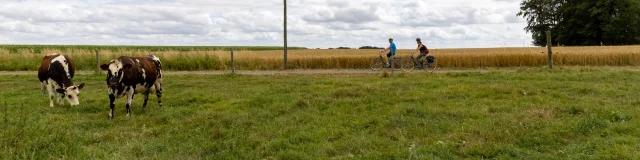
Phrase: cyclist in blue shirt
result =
(391, 49)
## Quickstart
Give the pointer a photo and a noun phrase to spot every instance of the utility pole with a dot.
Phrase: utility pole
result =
(285, 35)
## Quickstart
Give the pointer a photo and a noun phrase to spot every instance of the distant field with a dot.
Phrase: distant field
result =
(527, 114)
(71, 48)
(212, 58)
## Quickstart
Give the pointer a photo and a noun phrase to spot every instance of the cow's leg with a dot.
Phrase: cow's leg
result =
(57, 97)
(55, 93)
(112, 104)
(60, 99)
(159, 92)
(52, 93)
(146, 98)
(130, 93)
(43, 87)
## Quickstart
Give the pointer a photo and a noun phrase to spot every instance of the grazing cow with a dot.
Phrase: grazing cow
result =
(130, 75)
(56, 74)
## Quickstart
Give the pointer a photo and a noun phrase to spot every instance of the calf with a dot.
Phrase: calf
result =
(131, 75)
(56, 73)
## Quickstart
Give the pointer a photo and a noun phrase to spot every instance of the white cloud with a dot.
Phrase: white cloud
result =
(312, 23)
(341, 11)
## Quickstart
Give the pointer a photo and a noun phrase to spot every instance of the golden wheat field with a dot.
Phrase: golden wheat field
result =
(341, 59)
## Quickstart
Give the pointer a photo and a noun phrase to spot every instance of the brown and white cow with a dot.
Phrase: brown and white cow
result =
(56, 73)
(131, 75)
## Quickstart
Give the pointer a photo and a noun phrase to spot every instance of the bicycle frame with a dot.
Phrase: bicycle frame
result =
(413, 58)
(393, 60)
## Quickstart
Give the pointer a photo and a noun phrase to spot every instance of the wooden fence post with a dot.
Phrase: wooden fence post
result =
(97, 62)
(233, 64)
(391, 63)
(549, 50)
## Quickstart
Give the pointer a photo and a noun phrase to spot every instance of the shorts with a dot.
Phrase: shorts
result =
(422, 54)
(390, 54)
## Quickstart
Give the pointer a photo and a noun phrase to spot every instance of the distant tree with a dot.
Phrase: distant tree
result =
(541, 16)
(579, 22)
(344, 48)
(370, 47)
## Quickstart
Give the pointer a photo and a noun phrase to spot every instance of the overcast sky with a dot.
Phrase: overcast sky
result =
(312, 23)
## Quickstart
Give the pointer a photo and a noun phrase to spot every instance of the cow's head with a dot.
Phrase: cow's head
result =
(115, 72)
(71, 93)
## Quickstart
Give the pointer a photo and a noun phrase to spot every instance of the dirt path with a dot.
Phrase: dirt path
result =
(287, 72)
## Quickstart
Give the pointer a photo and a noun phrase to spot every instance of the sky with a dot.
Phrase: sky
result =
(311, 23)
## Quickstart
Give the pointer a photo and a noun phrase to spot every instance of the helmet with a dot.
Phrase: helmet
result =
(418, 39)
(390, 38)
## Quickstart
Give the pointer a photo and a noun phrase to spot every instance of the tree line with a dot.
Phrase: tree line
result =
(363, 47)
(582, 22)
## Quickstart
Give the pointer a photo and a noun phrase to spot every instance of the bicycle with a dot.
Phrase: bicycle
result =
(428, 64)
(377, 63)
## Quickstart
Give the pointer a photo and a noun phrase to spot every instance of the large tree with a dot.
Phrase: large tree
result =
(580, 22)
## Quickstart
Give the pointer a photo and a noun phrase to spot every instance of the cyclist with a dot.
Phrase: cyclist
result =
(391, 49)
(423, 51)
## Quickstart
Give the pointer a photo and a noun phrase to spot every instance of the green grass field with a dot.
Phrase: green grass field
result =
(528, 114)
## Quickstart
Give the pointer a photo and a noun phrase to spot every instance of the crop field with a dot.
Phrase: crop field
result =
(40, 48)
(527, 114)
(22, 59)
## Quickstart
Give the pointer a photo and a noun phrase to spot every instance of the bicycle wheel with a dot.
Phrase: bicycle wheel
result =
(430, 65)
(376, 64)
(397, 64)
(408, 65)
